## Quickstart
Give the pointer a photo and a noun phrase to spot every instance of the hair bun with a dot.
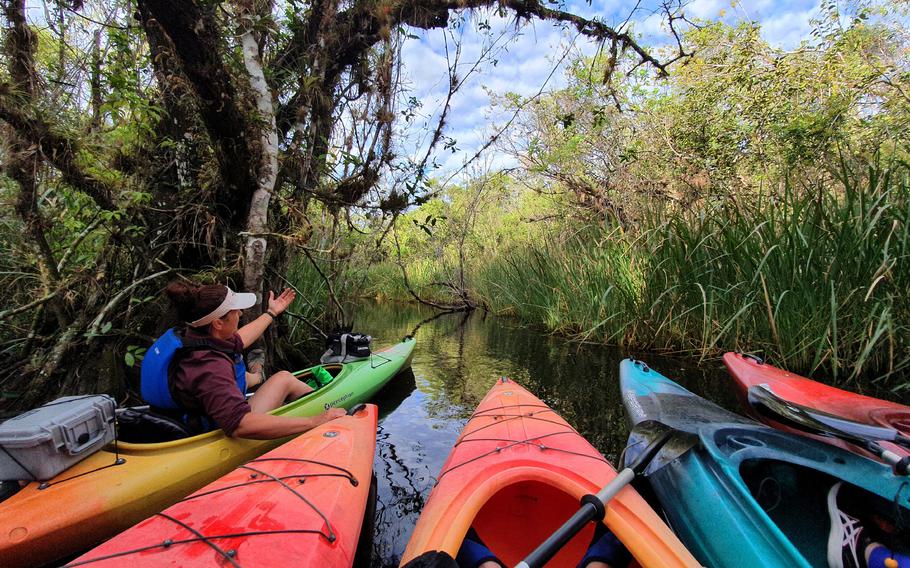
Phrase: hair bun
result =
(194, 301)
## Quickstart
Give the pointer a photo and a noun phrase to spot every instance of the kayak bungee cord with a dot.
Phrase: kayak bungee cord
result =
(519, 405)
(488, 413)
(528, 442)
(230, 554)
(383, 357)
(227, 554)
(117, 461)
(254, 480)
(347, 474)
(302, 476)
(331, 537)
(511, 417)
(169, 543)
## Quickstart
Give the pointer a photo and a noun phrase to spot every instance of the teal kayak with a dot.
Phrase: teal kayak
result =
(740, 494)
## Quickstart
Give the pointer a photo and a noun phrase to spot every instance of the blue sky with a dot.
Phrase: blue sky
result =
(525, 65)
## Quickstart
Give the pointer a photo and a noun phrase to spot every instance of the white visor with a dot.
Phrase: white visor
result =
(232, 301)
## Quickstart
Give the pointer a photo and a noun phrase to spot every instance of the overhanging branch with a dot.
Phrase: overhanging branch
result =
(57, 148)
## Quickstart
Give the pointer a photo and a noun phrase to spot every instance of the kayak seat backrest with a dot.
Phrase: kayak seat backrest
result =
(148, 427)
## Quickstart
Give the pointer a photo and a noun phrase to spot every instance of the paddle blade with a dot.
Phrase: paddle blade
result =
(670, 445)
(766, 401)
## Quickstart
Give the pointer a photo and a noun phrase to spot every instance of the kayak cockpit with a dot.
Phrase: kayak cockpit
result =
(143, 425)
(796, 499)
(522, 515)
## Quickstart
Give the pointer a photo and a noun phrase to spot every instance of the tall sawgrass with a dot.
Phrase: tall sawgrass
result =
(312, 295)
(588, 283)
(432, 279)
(817, 279)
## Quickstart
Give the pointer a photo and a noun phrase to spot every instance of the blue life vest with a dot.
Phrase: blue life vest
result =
(156, 385)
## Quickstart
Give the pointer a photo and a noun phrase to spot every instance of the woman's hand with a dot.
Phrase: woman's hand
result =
(281, 303)
(252, 331)
(333, 413)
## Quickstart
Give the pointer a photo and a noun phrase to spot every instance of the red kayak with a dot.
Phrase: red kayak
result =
(302, 504)
(748, 371)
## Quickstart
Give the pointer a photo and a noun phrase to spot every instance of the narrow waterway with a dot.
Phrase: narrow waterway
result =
(457, 359)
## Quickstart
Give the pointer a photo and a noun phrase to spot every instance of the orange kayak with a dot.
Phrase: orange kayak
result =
(127, 481)
(302, 504)
(516, 473)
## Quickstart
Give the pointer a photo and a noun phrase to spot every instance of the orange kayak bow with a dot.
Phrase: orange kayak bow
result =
(516, 473)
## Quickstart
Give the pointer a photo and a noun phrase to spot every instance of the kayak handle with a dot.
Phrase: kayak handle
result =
(755, 358)
(356, 408)
(903, 466)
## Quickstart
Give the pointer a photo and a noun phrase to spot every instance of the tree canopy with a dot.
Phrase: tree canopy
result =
(158, 139)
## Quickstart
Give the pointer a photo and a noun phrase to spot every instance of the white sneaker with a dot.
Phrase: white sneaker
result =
(844, 548)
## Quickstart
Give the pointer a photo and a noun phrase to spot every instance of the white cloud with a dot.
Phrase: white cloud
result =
(653, 25)
(707, 9)
(528, 59)
(787, 30)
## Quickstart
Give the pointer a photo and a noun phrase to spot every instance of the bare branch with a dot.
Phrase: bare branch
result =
(328, 283)
(102, 315)
(30, 305)
(407, 284)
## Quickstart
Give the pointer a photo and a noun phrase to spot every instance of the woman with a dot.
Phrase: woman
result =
(205, 380)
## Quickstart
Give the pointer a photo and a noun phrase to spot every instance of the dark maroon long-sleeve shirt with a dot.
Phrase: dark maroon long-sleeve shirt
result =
(204, 382)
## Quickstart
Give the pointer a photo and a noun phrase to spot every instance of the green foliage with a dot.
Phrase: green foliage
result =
(134, 354)
(738, 115)
(741, 204)
(816, 281)
(475, 223)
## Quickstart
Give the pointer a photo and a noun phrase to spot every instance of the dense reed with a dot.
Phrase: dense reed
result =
(816, 280)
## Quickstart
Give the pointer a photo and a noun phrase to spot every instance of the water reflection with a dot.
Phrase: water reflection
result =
(458, 358)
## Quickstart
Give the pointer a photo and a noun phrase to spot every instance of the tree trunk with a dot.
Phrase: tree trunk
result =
(257, 222)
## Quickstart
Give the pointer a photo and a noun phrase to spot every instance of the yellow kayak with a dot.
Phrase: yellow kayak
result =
(124, 483)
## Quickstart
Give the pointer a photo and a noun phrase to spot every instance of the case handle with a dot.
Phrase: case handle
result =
(84, 440)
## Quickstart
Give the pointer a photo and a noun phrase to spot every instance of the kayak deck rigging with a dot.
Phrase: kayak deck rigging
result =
(228, 555)
(533, 441)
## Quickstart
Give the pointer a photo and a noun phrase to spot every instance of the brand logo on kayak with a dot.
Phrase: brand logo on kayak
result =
(338, 401)
(630, 398)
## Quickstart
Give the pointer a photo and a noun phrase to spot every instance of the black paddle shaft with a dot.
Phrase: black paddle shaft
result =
(554, 543)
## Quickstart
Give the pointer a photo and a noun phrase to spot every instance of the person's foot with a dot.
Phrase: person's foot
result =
(475, 554)
(845, 541)
(605, 550)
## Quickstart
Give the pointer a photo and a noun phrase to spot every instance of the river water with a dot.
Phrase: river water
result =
(457, 359)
